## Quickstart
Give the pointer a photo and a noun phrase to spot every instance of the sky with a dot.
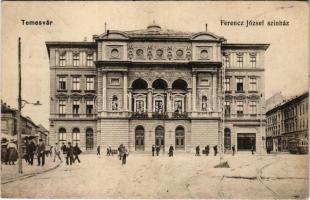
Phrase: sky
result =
(286, 60)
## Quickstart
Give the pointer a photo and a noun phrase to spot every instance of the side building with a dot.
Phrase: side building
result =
(287, 125)
(157, 86)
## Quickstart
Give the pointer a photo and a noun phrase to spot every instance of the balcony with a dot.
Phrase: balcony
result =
(158, 115)
(178, 115)
(139, 115)
(75, 116)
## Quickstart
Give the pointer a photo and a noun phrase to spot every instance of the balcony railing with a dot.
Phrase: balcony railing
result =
(180, 115)
(92, 116)
(162, 115)
(139, 115)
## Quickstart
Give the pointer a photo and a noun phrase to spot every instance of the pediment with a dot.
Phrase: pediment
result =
(204, 36)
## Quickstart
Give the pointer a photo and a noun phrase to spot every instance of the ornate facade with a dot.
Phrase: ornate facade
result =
(156, 86)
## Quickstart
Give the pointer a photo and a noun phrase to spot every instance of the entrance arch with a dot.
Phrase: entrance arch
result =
(179, 138)
(139, 138)
(89, 139)
(160, 137)
(227, 139)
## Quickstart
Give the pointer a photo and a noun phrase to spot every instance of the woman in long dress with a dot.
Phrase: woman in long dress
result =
(12, 150)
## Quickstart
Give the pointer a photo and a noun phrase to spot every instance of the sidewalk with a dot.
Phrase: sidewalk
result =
(9, 173)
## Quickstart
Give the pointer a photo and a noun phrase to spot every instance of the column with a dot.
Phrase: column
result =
(125, 97)
(194, 92)
(104, 91)
(214, 86)
(189, 102)
(130, 100)
(169, 102)
(149, 102)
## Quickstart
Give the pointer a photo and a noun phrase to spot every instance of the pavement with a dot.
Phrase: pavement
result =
(182, 176)
(9, 173)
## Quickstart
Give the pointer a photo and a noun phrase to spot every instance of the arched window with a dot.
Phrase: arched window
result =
(62, 135)
(75, 136)
(114, 103)
(179, 84)
(160, 84)
(139, 138)
(204, 103)
(179, 138)
(89, 139)
(139, 84)
(227, 139)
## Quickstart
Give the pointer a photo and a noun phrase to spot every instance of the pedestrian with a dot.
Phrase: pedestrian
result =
(57, 152)
(207, 150)
(12, 151)
(41, 153)
(64, 149)
(110, 150)
(76, 152)
(69, 152)
(233, 150)
(26, 156)
(157, 150)
(120, 152)
(153, 150)
(98, 150)
(4, 153)
(31, 151)
(252, 149)
(197, 151)
(215, 150)
(124, 156)
(171, 149)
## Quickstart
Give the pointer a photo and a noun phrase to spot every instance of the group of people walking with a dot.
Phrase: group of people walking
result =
(9, 153)
(71, 153)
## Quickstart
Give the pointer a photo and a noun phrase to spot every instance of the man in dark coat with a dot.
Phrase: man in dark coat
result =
(157, 149)
(252, 149)
(120, 154)
(98, 150)
(198, 151)
(233, 150)
(124, 156)
(69, 152)
(64, 148)
(207, 150)
(76, 152)
(31, 150)
(153, 150)
(171, 149)
(215, 150)
(41, 153)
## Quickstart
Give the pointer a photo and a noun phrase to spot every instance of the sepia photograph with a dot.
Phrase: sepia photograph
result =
(154, 99)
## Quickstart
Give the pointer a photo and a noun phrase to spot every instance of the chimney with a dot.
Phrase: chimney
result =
(206, 27)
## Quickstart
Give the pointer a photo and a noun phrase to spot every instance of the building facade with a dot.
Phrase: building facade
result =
(288, 123)
(157, 86)
(28, 127)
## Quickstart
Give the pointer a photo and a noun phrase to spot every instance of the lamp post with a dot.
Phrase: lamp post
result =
(20, 106)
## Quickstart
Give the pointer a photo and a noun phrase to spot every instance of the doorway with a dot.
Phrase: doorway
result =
(160, 137)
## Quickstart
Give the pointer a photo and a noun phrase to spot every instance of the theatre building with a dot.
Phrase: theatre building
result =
(156, 86)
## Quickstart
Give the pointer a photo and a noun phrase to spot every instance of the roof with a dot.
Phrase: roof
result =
(42, 128)
(154, 31)
(244, 46)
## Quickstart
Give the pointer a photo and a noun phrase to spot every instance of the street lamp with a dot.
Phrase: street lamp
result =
(21, 104)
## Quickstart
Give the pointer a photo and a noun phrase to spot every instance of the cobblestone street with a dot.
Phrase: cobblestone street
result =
(183, 176)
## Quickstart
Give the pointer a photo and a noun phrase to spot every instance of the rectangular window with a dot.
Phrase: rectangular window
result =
(240, 61)
(227, 84)
(76, 107)
(178, 106)
(253, 61)
(253, 107)
(75, 138)
(159, 106)
(62, 83)
(227, 61)
(89, 106)
(76, 60)
(76, 83)
(253, 84)
(139, 106)
(62, 137)
(89, 60)
(239, 108)
(227, 108)
(62, 60)
(62, 107)
(115, 81)
(90, 83)
(239, 84)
